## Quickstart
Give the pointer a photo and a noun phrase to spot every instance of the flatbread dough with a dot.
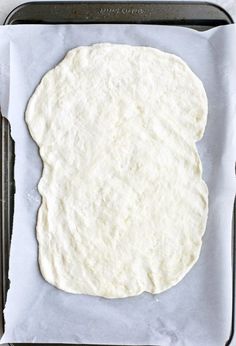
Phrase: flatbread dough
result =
(124, 206)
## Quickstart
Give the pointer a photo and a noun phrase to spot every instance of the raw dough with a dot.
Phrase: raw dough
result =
(124, 206)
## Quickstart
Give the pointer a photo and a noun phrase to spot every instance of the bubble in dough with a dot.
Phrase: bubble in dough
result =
(124, 206)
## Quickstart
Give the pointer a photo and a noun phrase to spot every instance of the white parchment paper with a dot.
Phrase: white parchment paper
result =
(198, 310)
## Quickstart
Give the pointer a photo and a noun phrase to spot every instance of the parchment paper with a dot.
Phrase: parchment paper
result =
(198, 310)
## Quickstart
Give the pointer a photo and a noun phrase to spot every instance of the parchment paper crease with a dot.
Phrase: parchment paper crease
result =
(198, 310)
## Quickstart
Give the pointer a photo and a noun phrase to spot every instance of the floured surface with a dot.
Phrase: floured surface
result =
(123, 207)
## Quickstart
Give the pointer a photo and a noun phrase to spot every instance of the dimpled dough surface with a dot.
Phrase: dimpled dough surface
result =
(124, 206)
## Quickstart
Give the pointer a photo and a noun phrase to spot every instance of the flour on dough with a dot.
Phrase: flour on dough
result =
(124, 206)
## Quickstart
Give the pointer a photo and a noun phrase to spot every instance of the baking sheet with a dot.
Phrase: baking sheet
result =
(198, 310)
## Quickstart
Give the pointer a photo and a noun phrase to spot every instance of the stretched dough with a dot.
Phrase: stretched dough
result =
(124, 206)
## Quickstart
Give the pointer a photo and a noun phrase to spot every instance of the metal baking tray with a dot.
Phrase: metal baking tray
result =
(196, 15)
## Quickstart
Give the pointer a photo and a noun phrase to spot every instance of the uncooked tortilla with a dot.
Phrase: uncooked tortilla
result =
(124, 206)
